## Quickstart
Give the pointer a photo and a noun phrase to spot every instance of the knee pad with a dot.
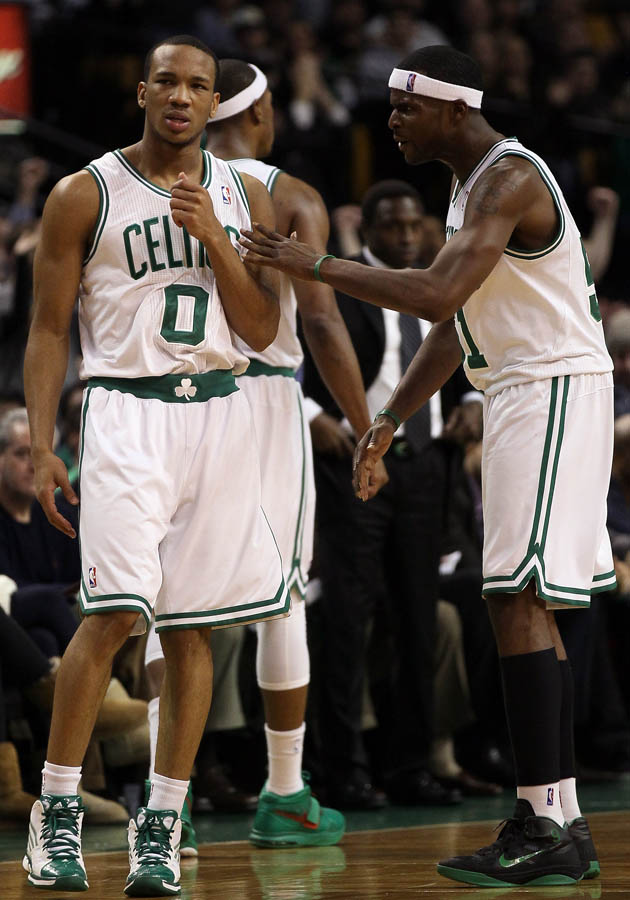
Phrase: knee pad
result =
(282, 661)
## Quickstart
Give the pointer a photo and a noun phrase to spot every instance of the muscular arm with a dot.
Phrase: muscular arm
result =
(324, 328)
(504, 197)
(68, 220)
(249, 293)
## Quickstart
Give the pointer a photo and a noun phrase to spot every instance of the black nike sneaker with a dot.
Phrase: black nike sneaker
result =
(581, 834)
(530, 849)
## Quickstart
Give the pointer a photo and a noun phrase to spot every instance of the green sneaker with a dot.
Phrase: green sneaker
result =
(188, 846)
(296, 820)
(581, 834)
(530, 850)
(53, 857)
(154, 837)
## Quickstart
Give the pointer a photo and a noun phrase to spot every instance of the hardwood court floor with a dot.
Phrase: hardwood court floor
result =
(395, 864)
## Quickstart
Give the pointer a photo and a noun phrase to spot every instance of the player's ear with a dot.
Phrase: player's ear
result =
(216, 99)
(257, 112)
(142, 90)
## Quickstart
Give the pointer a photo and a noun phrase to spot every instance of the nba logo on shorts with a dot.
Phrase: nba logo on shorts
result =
(549, 796)
(225, 193)
(411, 80)
(92, 576)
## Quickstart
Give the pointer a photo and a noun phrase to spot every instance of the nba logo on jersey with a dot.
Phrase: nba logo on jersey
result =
(549, 796)
(411, 80)
(92, 576)
(225, 193)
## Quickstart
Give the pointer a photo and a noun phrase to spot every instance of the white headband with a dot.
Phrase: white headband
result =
(243, 99)
(414, 83)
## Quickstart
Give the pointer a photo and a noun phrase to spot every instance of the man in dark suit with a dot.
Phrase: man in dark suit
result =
(384, 553)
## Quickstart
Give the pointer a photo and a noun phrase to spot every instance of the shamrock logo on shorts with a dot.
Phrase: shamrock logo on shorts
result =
(186, 389)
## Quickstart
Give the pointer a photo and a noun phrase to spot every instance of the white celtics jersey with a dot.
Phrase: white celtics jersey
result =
(148, 302)
(285, 350)
(536, 314)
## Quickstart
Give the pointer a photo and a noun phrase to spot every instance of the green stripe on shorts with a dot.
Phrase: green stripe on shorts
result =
(256, 367)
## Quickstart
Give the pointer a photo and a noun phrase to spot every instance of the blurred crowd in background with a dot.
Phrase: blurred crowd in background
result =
(557, 76)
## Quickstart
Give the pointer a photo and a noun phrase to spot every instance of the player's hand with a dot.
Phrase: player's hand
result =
(330, 437)
(50, 474)
(465, 424)
(268, 248)
(191, 206)
(369, 452)
(603, 201)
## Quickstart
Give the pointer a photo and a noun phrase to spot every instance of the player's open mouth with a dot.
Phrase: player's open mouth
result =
(177, 123)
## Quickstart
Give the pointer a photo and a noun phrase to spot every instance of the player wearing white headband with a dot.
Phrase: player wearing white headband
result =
(511, 290)
(242, 131)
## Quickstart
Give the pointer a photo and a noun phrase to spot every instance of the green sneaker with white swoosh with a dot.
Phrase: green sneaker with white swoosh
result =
(530, 849)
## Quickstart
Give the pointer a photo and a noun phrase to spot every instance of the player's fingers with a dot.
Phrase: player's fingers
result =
(259, 239)
(68, 492)
(260, 251)
(53, 515)
(268, 233)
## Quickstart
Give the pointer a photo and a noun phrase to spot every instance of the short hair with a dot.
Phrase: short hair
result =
(7, 423)
(445, 64)
(234, 77)
(386, 190)
(177, 40)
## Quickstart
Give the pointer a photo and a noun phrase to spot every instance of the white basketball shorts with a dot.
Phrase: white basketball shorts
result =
(286, 465)
(171, 518)
(547, 454)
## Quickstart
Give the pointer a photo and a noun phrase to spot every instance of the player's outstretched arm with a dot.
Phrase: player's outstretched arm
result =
(68, 221)
(324, 328)
(249, 293)
(436, 360)
(502, 196)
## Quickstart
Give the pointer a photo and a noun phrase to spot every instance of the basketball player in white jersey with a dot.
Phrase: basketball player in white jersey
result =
(512, 290)
(241, 131)
(171, 519)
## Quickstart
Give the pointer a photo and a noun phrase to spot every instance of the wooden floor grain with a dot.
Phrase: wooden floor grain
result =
(371, 865)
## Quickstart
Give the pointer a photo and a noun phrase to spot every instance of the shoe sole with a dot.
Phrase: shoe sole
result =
(593, 870)
(188, 852)
(62, 883)
(291, 839)
(148, 886)
(482, 880)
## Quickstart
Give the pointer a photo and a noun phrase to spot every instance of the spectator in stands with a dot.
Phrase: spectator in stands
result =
(43, 566)
(388, 548)
(43, 563)
(398, 30)
(618, 342)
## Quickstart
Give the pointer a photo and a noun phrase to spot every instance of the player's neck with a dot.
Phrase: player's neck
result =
(161, 162)
(464, 155)
(231, 144)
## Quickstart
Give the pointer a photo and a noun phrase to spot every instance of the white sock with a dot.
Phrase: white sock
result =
(569, 800)
(545, 800)
(284, 755)
(153, 715)
(60, 780)
(167, 793)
